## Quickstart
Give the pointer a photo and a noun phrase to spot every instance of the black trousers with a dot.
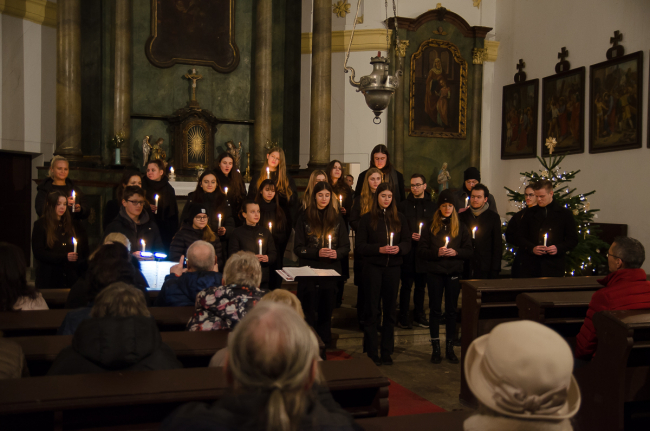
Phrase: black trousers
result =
(340, 285)
(420, 280)
(318, 297)
(449, 285)
(380, 283)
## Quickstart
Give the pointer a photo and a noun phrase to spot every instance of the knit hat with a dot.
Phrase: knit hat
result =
(193, 210)
(472, 173)
(447, 196)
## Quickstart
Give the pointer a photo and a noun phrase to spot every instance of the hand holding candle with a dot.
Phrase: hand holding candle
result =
(156, 198)
(474, 232)
(260, 243)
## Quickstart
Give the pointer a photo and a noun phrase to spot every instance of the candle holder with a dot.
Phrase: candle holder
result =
(172, 175)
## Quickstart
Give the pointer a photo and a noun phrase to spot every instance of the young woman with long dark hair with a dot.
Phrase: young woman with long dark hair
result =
(165, 209)
(321, 241)
(58, 181)
(54, 257)
(112, 208)
(195, 227)
(230, 178)
(15, 293)
(380, 159)
(444, 245)
(272, 217)
(383, 239)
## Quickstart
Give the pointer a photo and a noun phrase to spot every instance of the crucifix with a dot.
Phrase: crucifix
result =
(616, 39)
(520, 76)
(194, 76)
(616, 50)
(563, 65)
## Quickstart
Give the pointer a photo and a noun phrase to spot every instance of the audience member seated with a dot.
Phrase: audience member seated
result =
(15, 294)
(111, 264)
(521, 374)
(272, 364)
(626, 288)
(12, 360)
(182, 285)
(222, 307)
(119, 335)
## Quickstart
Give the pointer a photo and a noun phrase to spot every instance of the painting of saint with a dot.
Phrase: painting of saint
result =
(519, 120)
(563, 98)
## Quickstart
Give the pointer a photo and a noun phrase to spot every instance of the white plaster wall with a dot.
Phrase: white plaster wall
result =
(536, 31)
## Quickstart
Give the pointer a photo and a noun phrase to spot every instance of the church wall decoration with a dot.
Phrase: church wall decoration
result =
(438, 91)
(615, 100)
(563, 108)
(197, 32)
(519, 117)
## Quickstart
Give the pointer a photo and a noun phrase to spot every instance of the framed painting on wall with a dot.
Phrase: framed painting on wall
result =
(438, 93)
(563, 101)
(615, 97)
(519, 120)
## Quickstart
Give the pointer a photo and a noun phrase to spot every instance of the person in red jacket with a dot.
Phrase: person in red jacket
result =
(626, 288)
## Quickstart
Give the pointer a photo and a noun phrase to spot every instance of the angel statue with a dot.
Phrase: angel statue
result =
(235, 153)
(156, 151)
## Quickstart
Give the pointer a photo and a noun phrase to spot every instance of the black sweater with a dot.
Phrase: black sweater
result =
(246, 238)
(187, 236)
(215, 203)
(145, 229)
(370, 239)
(235, 199)
(166, 217)
(268, 215)
(289, 206)
(52, 268)
(429, 245)
(416, 211)
(307, 245)
(487, 245)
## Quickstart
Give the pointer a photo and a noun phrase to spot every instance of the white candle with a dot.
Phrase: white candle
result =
(391, 238)
(268, 173)
(270, 227)
(420, 231)
(260, 243)
(74, 200)
(219, 217)
(226, 190)
(341, 200)
(156, 197)
(74, 243)
(171, 170)
(545, 238)
(474, 232)
(446, 241)
(466, 201)
(143, 245)
(329, 237)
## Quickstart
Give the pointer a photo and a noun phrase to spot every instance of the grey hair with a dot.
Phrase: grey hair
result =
(198, 259)
(273, 349)
(630, 251)
(244, 269)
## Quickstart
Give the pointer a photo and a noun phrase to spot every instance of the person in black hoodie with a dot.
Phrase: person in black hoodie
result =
(512, 231)
(119, 335)
(321, 242)
(231, 182)
(418, 208)
(273, 217)
(472, 177)
(59, 181)
(254, 237)
(485, 227)
(380, 159)
(164, 209)
(546, 235)
(383, 239)
(112, 207)
(444, 245)
(195, 227)
(135, 224)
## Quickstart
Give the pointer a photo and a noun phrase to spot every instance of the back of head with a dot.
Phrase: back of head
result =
(120, 300)
(244, 269)
(200, 256)
(630, 251)
(116, 237)
(272, 349)
(13, 277)
(111, 264)
(284, 297)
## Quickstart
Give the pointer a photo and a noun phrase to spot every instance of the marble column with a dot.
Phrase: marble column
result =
(68, 80)
(321, 86)
(476, 102)
(262, 83)
(399, 109)
(123, 73)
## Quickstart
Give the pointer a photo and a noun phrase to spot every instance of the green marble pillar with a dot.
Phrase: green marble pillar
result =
(263, 83)
(123, 73)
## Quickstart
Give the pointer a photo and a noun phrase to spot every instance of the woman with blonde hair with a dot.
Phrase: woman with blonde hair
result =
(58, 181)
(315, 177)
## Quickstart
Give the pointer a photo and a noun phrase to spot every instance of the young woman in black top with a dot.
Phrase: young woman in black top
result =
(195, 228)
(272, 217)
(230, 178)
(165, 209)
(383, 238)
(254, 237)
(321, 241)
(112, 208)
(380, 159)
(444, 245)
(54, 255)
(59, 181)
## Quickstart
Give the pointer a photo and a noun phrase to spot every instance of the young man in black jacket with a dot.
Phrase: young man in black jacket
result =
(418, 208)
(512, 231)
(546, 235)
(471, 177)
(485, 227)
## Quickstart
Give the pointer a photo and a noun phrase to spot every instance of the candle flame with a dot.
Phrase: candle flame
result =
(74, 241)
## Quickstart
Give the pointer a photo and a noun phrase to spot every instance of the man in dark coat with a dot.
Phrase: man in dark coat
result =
(418, 208)
(512, 231)
(546, 235)
(485, 227)
(471, 177)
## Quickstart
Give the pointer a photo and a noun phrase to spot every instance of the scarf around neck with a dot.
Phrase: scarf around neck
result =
(481, 210)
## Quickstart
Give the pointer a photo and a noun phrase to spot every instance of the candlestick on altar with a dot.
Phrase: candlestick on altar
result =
(172, 177)
(74, 200)
(268, 173)
(446, 241)
(420, 231)
(545, 238)
(156, 197)
(219, 217)
(74, 243)
(329, 237)
(260, 243)
(270, 227)
(474, 232)
(143, 245)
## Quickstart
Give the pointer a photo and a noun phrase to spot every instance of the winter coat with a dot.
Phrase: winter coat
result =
(512, 238)
(307, 245)
(167, 215)
(222, 307)
(625, 289)
(289, 206)
(234, 199)
(370, 239)
(245, 411)
(181, 291)
(416, 211)
(47, 187)
(559, 224)
(429, 245)
(187, 236)
(145, 228)
(268, 214)
(461, 198)
(246, 238)
(12, 360)
(52, 267)
(486, 258)
(397, 189)
(115, 343)
(215, 204)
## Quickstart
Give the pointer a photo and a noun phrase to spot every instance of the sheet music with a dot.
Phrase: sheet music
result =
(290, 273)
(155, 272)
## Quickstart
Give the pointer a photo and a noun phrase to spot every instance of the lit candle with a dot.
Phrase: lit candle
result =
(270, 227)
(74, 243)
(391, 238)
(268, 173)
(341, 200)
(171, 169)
(74, 200)
(329, 237)
(219, 217)
(260, 243)
(143, 245)
(545, 238)
(420, 231)
(446, 241)
(466, 201)
(474, 232)
(226, 190)
(156, 197)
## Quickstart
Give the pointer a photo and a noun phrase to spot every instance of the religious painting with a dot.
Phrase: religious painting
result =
(563, 101)
(199, 32)
(519, 120)
(438, 93)
(615, 98)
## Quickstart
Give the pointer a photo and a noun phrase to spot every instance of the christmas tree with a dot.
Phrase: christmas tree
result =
(585, 258)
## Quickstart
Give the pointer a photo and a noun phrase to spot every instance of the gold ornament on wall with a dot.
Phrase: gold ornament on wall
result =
(402, 48)
(440, 32)
(478, 55)
(341, 8)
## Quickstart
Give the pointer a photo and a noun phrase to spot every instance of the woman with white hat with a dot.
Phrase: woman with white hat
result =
(521, 374)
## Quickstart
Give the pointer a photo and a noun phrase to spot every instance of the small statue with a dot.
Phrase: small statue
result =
(443, 178)
(155, 151)
(235, 153)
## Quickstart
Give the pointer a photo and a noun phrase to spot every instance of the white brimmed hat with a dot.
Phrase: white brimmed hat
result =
(524, 370)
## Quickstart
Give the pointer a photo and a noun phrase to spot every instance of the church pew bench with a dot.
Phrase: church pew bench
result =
(56, 298)
(146, 397)
(443, 421)
(615, 384)
(486, 303)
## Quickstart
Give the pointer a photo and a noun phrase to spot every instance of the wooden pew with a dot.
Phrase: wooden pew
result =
(444, 421)
(615, 384)
(56, 298)
(147, 397)
(486, 303)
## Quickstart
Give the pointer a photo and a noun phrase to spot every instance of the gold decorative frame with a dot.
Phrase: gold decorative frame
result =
(462, 119)
(207, 143)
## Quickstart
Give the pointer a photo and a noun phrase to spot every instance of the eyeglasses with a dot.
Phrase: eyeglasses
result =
(615, 257)
(415, 186)
(137, 203)
(204, 218)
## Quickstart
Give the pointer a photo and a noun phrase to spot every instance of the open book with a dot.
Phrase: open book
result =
(290, 273)
(155, 272)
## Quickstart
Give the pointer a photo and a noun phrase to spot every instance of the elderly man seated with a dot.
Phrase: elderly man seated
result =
(182, 285)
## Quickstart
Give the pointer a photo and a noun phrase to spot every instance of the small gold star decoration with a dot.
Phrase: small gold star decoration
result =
(341, 8)
(551, 143)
